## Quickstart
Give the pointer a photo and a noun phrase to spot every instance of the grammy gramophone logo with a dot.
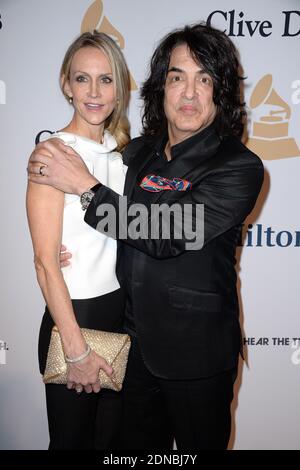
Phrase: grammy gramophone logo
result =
(270, 133)
(94, 18)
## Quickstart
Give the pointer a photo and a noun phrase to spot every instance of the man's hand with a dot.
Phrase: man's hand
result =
(64, 256)
(58, 165)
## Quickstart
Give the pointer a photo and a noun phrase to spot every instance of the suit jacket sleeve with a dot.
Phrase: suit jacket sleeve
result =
(228, 194)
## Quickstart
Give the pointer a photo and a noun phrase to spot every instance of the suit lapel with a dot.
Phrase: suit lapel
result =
(136, 165)
(188, 156)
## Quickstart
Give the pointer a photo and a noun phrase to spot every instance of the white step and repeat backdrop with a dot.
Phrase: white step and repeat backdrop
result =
(34, 35)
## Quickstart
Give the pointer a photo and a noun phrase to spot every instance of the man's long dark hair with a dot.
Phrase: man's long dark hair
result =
(217, 55)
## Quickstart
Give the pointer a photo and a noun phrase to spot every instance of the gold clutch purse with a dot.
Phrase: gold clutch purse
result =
(113, 347)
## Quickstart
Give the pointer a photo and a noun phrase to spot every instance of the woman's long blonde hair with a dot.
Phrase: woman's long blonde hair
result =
(117, 123)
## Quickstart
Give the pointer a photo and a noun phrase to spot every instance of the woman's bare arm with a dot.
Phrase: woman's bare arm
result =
(45, 215)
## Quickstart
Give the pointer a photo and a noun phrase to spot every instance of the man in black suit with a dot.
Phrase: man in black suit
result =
(182, 307)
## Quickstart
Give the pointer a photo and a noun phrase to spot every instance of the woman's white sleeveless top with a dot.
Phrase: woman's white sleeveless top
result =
(92, 270)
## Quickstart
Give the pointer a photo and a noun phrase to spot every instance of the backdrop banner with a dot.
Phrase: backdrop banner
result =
(34, 36)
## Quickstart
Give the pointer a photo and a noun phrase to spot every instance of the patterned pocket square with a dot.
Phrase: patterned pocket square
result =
(155, 183)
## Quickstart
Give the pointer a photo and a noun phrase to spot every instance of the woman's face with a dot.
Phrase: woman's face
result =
(91, 87)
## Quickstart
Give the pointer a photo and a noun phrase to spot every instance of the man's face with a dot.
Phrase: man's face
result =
(188, 100)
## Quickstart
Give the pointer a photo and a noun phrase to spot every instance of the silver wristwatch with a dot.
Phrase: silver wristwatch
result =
(87, 196)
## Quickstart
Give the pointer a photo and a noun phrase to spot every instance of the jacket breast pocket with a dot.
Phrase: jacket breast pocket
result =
(191, 299)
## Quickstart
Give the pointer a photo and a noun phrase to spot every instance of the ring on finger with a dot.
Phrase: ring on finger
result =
(41, 170)
(78, 390)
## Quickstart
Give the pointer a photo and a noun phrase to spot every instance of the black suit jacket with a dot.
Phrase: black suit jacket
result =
(185, 302)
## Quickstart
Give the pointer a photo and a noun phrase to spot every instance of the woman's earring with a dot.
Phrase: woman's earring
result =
(70, 99)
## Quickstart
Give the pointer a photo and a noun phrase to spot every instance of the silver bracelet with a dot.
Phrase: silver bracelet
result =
(79, 358)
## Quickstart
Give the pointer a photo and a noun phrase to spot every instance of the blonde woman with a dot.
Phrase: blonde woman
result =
(95, 80)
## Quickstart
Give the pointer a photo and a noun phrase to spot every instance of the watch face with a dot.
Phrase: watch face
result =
(86, 198)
